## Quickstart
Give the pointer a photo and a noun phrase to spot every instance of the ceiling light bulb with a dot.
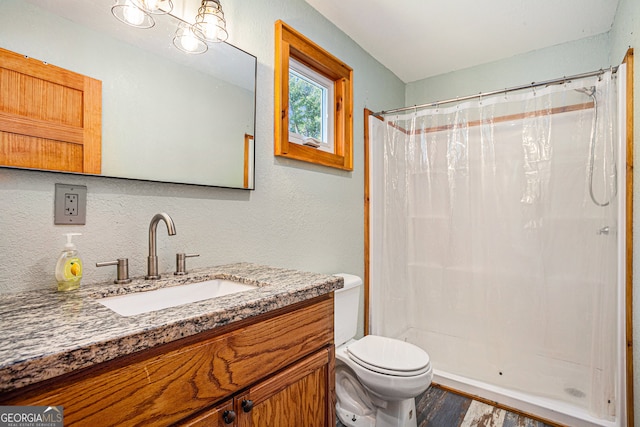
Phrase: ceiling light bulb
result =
(210, 24)
(127, 12)
(211, 30)
(188, 41)
(133, 15)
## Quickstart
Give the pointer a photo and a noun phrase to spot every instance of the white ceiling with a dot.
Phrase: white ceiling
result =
(417, 39)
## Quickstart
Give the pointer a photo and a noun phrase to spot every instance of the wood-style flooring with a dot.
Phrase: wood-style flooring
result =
(437, 407)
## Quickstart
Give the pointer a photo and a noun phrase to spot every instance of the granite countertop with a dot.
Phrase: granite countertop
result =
(47, 333)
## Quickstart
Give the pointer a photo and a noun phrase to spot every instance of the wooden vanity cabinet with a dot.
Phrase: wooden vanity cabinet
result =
(297, 396)
(281, 361)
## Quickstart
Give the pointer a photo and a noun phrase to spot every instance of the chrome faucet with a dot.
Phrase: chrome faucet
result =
(152, 260)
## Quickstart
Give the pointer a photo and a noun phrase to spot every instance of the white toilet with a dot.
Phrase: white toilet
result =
(377, 378)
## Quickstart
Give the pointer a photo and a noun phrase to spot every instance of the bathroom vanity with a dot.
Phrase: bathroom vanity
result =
(264, 357)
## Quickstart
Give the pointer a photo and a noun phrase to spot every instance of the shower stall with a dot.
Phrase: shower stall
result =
(497, 244)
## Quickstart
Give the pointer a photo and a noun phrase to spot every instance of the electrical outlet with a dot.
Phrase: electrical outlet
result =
(70, 204)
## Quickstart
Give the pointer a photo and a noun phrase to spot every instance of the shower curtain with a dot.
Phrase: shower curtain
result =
(493, 238)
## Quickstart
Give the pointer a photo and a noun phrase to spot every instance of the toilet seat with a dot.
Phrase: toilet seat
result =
(388, 387)
(389, 356)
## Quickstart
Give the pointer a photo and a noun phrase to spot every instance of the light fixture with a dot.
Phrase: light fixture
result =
(127, 12)
(209, 27)
(210, 24)
(188, 41)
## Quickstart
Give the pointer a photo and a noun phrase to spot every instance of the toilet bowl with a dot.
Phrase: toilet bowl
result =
(377, 378)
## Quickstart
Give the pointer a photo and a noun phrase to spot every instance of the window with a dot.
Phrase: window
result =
(313, 102)
(310, 112)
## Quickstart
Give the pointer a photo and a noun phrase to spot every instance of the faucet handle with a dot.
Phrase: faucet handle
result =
(123, 270)
(181, 263)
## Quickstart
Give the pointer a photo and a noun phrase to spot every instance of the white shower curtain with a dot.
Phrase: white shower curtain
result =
(487, 247)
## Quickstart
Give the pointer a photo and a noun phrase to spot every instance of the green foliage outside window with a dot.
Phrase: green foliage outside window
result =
(305, 107)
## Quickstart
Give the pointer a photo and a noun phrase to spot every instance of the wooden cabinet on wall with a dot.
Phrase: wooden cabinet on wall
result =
(276, 370)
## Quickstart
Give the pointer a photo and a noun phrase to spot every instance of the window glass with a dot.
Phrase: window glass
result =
(310, 112)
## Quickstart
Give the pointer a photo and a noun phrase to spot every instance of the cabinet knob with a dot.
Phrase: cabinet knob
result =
(228, 417)
(247, 405)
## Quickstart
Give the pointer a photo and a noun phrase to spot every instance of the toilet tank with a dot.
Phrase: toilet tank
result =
(346, 304)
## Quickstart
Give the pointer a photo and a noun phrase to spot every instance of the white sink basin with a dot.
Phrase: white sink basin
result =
(145, 302)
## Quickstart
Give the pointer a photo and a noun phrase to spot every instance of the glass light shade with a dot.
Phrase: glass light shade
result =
(188, 41)
(210, 24)
(154, 7)
(130, 14)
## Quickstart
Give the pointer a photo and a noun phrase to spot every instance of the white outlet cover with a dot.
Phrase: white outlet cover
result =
(61, 215)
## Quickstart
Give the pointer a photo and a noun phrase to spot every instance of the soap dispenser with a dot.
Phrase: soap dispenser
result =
(69, 266)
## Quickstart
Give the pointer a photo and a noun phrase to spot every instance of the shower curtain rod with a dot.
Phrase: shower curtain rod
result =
(496, 92)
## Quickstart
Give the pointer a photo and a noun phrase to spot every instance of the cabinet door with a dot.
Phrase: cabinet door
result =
(220, 416)
(301, 395)
(50, 118)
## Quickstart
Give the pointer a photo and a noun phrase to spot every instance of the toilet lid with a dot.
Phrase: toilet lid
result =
(389, 356)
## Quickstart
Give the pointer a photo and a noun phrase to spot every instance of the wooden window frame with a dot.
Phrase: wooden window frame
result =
(291, 44)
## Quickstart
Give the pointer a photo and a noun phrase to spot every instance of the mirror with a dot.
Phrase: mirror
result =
(166, 115)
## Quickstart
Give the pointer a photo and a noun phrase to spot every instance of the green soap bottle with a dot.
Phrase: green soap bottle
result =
(69, 266)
